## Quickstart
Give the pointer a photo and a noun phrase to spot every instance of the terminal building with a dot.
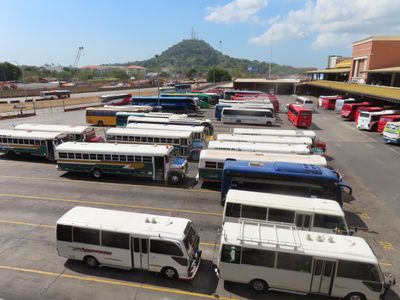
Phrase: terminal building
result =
(372, 72)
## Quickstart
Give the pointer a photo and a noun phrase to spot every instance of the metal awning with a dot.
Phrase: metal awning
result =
(330, 71)
(384, 70)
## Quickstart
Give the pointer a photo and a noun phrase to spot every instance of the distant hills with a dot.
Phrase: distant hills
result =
(196, 57)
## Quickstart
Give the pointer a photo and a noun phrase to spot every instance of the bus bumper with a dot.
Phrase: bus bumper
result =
(192, 273)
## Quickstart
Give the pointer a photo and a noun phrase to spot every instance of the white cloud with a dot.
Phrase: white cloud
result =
(236, 11)
(334, 22)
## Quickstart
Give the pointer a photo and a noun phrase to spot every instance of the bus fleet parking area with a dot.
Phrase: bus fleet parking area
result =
(34, 195)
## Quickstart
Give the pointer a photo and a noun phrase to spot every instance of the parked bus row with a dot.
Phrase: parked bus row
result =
(368, 115)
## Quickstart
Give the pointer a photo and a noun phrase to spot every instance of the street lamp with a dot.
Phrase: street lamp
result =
(26, 95)
(158, 82)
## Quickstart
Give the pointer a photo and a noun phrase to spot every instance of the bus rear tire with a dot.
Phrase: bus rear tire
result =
(100, 123)
(259, 285)
(11, 154)
(169, 273)
(174, 178)
(238, 122)
(96, 173)
(355, 296)
(91, 262)
(269, 124)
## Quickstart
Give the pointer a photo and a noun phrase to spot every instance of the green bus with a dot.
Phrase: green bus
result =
(35, 143)
(155, 162)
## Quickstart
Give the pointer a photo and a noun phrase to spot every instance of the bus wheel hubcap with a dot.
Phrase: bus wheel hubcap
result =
(170, 273)
(174, 179)
(91, 261)
(258, 285)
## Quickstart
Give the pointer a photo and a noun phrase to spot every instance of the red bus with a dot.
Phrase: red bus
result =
(384, 119)
(366, 109)
(349, 109)
(116, 99)
(299, 116)
(328, 102)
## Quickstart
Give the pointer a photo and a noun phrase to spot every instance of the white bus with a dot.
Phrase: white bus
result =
(211, 162)
(103, 237)
(259, 147)
(75, 133)
(265, 139)
(369, 120)
(199, 132)
(278, 256)
(173, 121)
(312, 214)
(181, 140)
(247, 116)
(154, 162)
(36, 143)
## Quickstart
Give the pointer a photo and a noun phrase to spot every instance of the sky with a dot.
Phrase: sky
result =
(302, 33)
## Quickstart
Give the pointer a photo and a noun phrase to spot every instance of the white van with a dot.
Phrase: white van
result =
(305, 102)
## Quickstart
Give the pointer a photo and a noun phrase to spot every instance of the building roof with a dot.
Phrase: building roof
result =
(384, 70)
(330, 71)
(379, 92)
(263, 80)
(133, 67)
(379, 38)
(346, 63)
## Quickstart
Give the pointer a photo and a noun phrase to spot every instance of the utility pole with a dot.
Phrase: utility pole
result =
(270, 52)
(158, 81)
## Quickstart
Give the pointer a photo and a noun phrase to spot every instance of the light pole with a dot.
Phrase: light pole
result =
(158, 82)
(26, 95)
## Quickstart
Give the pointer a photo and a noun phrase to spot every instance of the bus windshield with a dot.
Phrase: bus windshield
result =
(191, 240)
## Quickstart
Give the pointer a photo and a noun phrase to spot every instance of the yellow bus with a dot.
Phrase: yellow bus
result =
(106, 115)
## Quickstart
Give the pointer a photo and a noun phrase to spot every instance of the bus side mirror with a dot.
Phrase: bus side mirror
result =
(350, 190)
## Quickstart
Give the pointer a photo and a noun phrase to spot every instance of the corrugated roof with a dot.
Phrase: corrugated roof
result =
(346, 63)
(380, 92)
(330, 71)
(385, 70)
(263, 80)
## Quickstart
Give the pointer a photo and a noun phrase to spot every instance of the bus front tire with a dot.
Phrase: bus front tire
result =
(259, 285)
(269, 124)
(100, 123)
(238, 122)
(96, 173)
(355, 296)
(174, 178)
(91, 262)
(169, 273)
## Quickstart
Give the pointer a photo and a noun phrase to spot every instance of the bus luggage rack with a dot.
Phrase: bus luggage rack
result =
(291, 240)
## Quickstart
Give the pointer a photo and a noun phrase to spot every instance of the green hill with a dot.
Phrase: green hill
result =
(200, 56)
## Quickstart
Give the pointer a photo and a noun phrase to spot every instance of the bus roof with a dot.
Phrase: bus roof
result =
(281, 168)
(123, 221)
(116, 95)
(275, 132)
(174, 119)
(273, 237)
(264, 139)
(383, 112)
(170, 127)
(25, 134)
(52, 128)
(163, 98)
(222, 155)
(303, 204)
(123, 108)
(260, 147)
(256, 108)
(111, 148)
(151, 114)
(148, 132)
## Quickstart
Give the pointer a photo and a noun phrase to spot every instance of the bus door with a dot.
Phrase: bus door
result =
(158, 168)
(50, 149)
(323, 275)
(303, 221)
(140, 252)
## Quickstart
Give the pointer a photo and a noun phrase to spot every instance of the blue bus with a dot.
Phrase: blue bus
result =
(283, 178)
(186, 105)
(218, 110)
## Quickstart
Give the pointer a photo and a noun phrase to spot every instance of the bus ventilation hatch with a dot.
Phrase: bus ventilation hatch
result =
(297, 168)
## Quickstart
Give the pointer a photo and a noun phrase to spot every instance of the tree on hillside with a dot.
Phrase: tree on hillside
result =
(217, 75)
(191, 73)
(9, 72)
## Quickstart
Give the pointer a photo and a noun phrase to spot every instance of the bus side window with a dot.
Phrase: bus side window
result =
(258, 257)
(253, 212)
(86, 236)
(231, 254)
(165, 247)
(280, 215)
(233, 210)
(64, 233)
(294, 262)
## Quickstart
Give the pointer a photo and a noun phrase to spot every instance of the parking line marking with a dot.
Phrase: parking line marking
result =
(195, 212)
(53, 226)
(108, 183)
(364, 216)
(114, 282)
(386, 245)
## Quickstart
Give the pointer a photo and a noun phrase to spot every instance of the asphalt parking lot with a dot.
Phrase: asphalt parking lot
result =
(34, 195)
